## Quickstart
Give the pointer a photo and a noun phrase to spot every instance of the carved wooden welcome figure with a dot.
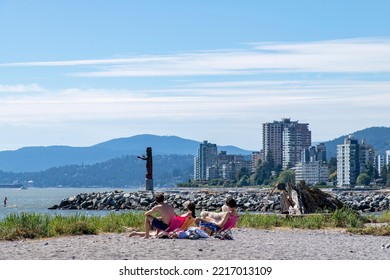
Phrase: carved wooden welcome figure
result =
(149, 168)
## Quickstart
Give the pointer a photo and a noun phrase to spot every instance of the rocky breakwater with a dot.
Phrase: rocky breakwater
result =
(367, 201)
(204, 200)
(247, 200)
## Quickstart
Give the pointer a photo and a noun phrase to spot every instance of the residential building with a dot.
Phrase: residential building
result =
(296, 137)
(256, 158)
(228, 171)
(273, 141)
(313, 168)
(380, 163)
(285, 140)
(348, 163)
(207, 158)
(312, 172)
(209, 164)
(230, 165)
(314, 153)
(367, 155)
(383, 160)
(321, 152)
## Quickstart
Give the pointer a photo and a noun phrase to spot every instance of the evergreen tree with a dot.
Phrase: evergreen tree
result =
(363, 179)
(384, 172)
(287, 176)
(332, 165)
(263, 174)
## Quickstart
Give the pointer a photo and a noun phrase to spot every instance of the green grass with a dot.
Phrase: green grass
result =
(342, 218)
(383, 218)
(379, 231)
(30, 225)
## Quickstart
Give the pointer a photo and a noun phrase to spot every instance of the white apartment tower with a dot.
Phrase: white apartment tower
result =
(312, 172)
(347, 162)
(382, 160)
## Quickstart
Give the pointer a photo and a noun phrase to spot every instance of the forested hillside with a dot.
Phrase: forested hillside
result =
(125, 171)
(33, 159)
(379, 137)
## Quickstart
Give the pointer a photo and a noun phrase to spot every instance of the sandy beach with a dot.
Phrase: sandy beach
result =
(248, 244)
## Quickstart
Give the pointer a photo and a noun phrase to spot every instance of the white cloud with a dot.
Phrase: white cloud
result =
(365, 55)
(20, 88)
(230, 109)
(198, 101)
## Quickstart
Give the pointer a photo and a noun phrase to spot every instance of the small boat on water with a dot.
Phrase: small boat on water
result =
(11, 186)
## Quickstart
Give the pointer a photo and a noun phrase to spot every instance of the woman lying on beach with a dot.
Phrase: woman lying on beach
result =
(229, 219)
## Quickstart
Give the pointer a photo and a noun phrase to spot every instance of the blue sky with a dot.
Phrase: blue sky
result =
(81, 72)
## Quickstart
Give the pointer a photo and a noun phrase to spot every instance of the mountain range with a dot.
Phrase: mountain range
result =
(378, 137)
(33, 159)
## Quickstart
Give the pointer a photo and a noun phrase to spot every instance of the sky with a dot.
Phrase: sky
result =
(78, 73)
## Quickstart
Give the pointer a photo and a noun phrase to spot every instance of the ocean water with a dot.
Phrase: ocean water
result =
(37, 200)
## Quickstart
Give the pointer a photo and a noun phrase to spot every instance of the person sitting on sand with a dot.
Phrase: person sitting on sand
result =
(166, 212)
(212, 226)
(190, 218)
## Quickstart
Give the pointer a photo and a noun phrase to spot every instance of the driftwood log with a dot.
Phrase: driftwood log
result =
(313, 200)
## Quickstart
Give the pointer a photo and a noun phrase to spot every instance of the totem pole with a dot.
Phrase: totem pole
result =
(149, 169)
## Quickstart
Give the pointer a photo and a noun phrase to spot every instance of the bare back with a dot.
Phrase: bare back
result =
(166, 211)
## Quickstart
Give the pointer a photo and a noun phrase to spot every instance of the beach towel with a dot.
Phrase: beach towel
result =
(192, 233)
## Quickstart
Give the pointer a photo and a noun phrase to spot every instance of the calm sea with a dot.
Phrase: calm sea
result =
(37, 200)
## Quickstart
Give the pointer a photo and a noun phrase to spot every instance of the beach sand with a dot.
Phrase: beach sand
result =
(248, 244)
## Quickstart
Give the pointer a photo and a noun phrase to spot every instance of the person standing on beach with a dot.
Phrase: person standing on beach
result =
(166, 213)
(5, 201)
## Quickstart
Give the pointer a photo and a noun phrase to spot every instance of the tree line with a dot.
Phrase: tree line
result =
(125, 171)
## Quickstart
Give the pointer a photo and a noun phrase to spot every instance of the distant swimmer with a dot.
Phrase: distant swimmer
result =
(5, 201)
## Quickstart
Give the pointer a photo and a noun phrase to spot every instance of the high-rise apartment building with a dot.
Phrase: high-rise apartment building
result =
(353, 159)
(314, 153)
(313, 168)
(285, 140)
(273, 141)
(382, 160)
(257, 157)
(296, 138)
(205, 163)
(348, 163)
(367, 154)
